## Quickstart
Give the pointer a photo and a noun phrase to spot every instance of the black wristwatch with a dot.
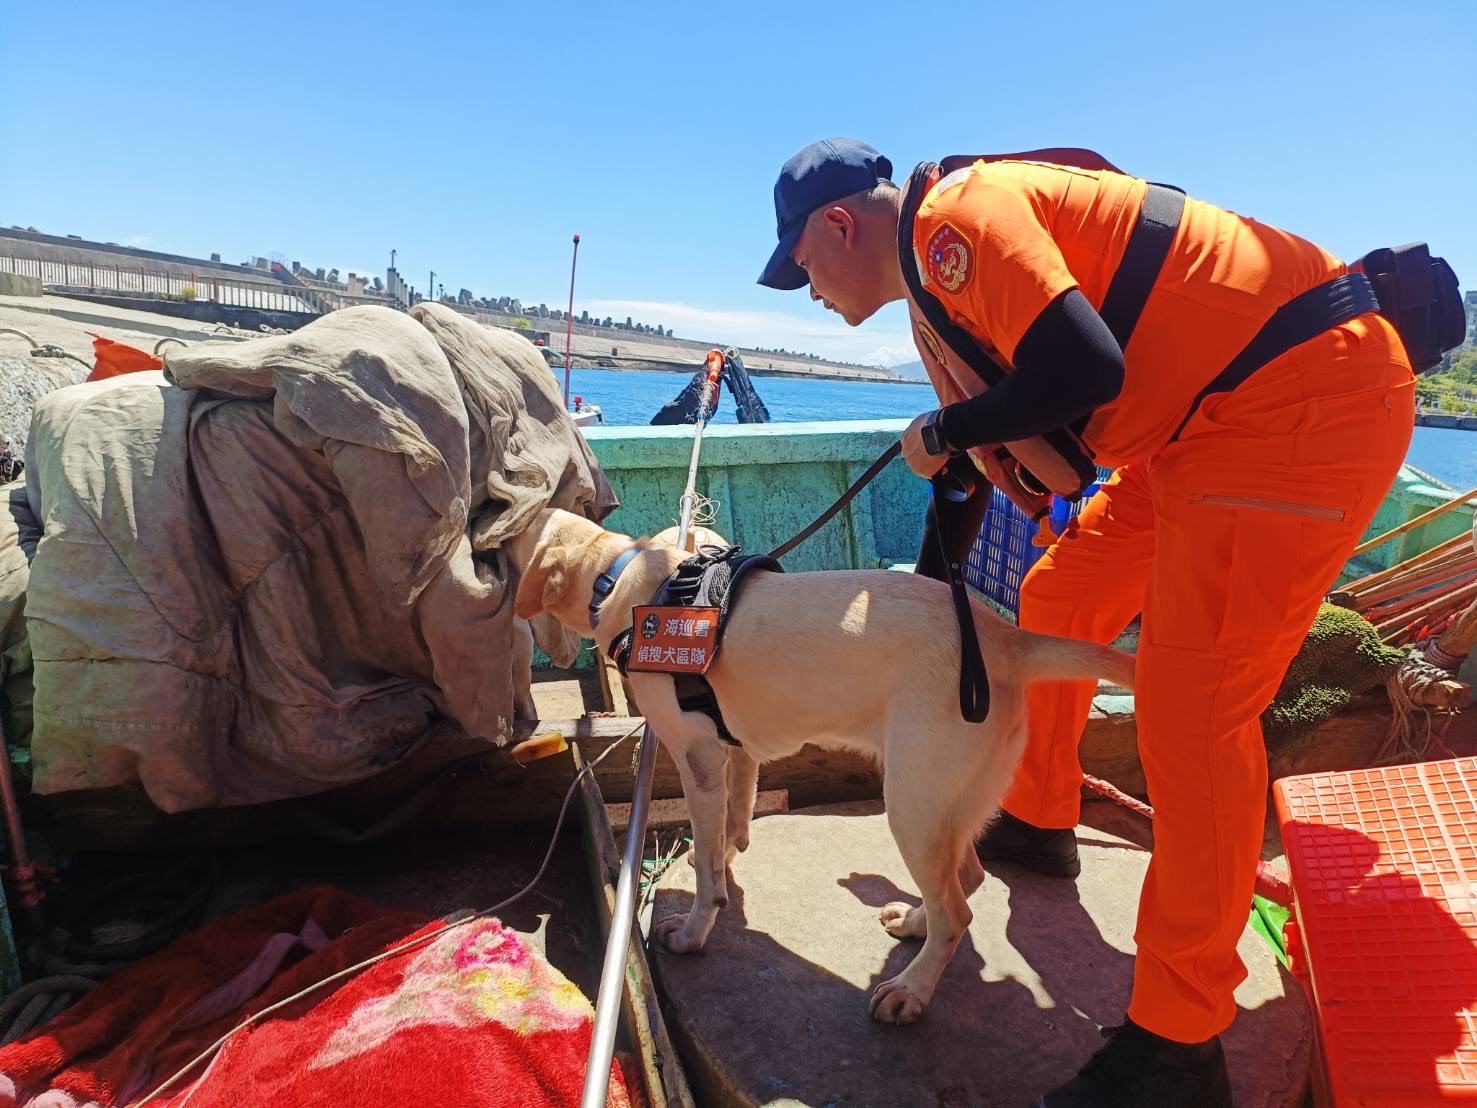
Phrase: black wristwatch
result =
(933, 436)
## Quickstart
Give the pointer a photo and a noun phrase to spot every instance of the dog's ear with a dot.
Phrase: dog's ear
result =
(557, 641)
(541, 587)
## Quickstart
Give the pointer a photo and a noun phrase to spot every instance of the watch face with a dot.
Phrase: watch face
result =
(933, 437)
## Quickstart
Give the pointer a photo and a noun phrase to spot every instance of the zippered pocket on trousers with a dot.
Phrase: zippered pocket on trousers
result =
(1259, 504)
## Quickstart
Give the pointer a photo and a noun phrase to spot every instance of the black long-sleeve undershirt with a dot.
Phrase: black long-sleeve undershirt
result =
(1066, 364)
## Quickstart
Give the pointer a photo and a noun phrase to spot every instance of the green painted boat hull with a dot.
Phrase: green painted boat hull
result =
(767, 481)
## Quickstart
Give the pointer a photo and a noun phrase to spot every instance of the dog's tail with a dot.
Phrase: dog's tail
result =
(1051, 658)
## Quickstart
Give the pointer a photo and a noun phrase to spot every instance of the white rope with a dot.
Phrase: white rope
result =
(704, 510)
(1406, 688)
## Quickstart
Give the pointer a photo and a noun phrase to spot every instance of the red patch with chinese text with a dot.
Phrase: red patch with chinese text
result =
(672, 639)
(948, 259)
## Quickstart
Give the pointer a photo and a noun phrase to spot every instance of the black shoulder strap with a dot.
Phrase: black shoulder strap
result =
(1305, 316)
(1143, 258)
(1075, 156)
(938, 318)
(955, 336)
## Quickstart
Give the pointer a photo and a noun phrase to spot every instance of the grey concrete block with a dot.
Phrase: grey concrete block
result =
(17, 284)
(775, 1010)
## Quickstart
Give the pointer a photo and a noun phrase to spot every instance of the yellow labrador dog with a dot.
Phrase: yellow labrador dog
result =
(863, 660)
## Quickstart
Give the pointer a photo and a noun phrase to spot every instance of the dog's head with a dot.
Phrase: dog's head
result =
(560, 554)
(558, 557)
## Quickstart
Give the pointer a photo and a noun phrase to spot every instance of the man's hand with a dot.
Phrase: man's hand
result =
(919, 460)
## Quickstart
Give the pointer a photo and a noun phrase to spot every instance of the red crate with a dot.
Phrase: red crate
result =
(1384, 870)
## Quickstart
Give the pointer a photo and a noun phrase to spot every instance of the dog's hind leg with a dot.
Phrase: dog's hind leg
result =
(971, 873)
(932, 845)
(903, 921)
(743, 785)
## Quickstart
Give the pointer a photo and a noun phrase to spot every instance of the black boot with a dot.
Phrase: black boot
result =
(1139, 1069)
(1044, 850)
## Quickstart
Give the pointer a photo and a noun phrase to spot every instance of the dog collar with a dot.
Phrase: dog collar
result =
(605, 582)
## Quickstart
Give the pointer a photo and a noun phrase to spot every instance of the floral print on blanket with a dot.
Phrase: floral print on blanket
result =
(480, 972)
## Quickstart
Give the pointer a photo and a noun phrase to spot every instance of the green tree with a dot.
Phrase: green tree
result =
(1454, 405)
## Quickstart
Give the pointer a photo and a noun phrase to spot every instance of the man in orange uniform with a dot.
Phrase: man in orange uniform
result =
(1236, 501)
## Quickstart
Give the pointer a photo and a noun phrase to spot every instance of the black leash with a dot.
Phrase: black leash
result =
(846, 498)
(957, 479)
(955, 482)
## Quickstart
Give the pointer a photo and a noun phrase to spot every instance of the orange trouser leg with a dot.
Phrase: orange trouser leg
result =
(1088, 585)
(1257, 509)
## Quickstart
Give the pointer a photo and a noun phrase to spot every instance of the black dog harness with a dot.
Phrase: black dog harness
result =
(711, 578)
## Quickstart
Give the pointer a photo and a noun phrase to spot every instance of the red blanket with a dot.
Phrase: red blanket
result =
(472, 1017)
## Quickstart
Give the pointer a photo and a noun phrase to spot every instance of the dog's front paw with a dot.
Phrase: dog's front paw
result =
(673, 933)
(904, 921)
(894, 1002)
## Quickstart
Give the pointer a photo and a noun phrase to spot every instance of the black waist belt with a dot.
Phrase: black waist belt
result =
(1302, 318)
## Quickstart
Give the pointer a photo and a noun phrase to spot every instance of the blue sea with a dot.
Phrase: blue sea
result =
(634, 397)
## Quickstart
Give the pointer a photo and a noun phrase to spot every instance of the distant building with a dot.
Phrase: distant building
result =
(1472, 318)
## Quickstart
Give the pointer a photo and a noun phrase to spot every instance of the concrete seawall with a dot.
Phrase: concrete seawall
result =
(1446, 420)
(630, 349)
(592, 346)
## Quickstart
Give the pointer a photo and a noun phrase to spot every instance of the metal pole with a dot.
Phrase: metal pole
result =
(618, 942)
(569, 320)
(623, 913)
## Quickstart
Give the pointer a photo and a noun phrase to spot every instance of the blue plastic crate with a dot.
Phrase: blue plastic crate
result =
(1003, 552)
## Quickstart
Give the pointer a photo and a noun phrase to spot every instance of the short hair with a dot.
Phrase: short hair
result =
(883, 193)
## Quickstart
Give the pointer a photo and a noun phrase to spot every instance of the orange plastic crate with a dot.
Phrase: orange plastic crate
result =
(1384, 869)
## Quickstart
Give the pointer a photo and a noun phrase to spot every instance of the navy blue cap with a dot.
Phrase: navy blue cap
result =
(823, 172)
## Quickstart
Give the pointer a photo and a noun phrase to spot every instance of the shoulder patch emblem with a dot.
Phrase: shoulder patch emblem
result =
(931, 341)
(948, 259)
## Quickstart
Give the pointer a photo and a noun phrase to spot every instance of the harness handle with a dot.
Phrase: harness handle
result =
(974, 680)
(956, 481)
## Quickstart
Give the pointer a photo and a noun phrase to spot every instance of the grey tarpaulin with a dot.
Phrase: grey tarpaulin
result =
(267, 570)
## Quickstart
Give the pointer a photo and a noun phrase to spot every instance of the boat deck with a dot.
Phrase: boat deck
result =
(775, 1011)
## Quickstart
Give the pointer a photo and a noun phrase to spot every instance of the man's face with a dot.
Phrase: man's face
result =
(841, 275)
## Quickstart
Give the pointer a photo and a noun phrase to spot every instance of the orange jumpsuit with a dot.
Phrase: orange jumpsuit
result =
(1225, 540)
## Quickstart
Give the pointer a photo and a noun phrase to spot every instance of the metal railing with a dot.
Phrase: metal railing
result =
(329, 298)
(178, 286)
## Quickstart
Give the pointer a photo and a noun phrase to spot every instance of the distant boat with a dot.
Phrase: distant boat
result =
(585, 415)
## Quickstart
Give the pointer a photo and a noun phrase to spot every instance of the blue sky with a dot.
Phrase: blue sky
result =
(477, 139)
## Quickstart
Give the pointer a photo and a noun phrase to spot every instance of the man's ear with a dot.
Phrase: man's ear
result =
(839, 222)
(541, 587)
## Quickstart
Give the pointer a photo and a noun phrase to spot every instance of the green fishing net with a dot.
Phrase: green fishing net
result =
(1341, 658)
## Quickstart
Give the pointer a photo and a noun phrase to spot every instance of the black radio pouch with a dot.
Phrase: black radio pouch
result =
(1420, 296)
